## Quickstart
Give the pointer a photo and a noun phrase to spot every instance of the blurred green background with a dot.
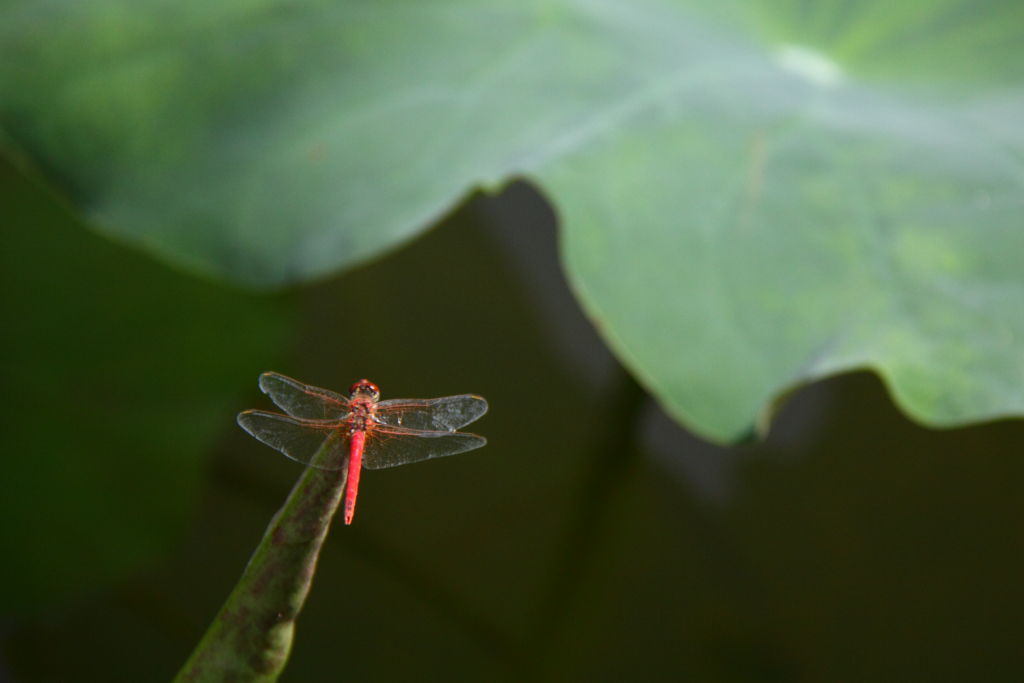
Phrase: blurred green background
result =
(594, 538)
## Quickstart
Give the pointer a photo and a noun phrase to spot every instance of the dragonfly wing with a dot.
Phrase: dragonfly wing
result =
(433, 414)
(392, 446)
(322, 445)
(302, 400)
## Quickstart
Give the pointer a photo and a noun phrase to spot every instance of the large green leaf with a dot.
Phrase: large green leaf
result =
(752, 195)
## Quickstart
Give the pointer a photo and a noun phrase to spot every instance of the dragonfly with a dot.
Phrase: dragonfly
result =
(328, 431)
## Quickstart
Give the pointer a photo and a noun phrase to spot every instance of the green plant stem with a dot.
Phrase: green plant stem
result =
(251, 636)
(446, 603)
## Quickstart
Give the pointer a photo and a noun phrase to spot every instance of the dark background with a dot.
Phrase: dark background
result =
(592, 539)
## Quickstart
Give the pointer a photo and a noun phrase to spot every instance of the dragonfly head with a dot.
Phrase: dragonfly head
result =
(364, 388)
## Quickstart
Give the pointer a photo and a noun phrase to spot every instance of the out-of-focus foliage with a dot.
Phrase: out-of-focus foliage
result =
(753, 195)
(851, 545)
(117, 374)
(750, 196)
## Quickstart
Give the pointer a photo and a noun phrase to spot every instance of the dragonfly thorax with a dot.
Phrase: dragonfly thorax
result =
(360, 416)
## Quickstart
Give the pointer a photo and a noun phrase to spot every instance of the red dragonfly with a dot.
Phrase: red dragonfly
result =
(329, 431)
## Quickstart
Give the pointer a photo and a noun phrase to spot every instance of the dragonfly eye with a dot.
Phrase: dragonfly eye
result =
(364, 386)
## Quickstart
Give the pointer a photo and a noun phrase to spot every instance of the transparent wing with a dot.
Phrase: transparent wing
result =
(432, 414)
(392, 446)
(322, 444)
(302, 400)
